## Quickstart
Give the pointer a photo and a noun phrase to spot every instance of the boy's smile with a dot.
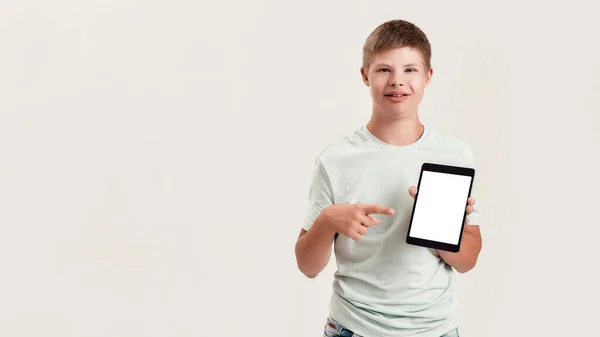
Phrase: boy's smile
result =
(397, 96)
(397, 79)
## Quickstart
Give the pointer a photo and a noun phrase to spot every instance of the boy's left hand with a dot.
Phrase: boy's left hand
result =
(466, 258)
(470, 203)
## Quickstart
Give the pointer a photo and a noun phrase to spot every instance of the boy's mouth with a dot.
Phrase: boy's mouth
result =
(396, 94)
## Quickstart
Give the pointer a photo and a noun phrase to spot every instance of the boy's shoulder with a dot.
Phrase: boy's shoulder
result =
(453, 145)
(359, 141)
(344, 146)
(443, 139)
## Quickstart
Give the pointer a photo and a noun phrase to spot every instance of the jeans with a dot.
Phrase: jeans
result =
(335, 329)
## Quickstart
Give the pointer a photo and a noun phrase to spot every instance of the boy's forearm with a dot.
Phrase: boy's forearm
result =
(313, 249)
(466, 258)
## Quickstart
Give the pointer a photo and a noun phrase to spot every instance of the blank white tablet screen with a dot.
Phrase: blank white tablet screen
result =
(440, 208)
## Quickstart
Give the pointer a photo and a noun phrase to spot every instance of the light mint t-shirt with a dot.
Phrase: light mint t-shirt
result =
(384, 287)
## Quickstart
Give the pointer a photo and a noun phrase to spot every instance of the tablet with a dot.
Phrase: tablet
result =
(440, 207)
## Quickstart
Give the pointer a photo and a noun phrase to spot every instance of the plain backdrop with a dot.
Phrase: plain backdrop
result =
(155, 159)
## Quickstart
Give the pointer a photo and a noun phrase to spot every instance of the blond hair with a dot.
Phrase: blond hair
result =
(396, 34)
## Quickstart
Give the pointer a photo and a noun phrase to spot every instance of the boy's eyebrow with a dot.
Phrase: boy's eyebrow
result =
(383, 65)
(389, 66)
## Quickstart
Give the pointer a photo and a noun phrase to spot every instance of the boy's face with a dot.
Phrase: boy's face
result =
(397, 79)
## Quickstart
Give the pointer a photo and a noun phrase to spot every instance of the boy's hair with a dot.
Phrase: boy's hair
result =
(396, 34)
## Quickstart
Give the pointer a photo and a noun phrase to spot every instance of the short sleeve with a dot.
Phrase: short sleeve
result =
(320, 194)
(475, 217)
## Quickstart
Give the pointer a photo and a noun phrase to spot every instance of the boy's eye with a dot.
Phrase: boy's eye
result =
(410, 70)
(384, 70)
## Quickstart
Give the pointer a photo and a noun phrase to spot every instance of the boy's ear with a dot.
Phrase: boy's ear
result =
(429, 75)
(363, 74)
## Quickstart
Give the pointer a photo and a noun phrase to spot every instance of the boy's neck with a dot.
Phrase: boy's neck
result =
(396, 132)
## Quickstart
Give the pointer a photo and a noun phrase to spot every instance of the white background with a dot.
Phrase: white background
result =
(156, 157)
(440, 207)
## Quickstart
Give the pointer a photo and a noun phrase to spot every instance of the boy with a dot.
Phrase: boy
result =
(361, 199)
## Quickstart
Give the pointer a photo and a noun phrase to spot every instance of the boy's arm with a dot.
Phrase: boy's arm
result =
(471, 243)
(470, 246)
(313, 248)
(314, 245)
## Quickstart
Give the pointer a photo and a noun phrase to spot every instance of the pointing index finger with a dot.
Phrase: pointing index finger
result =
(378, 209)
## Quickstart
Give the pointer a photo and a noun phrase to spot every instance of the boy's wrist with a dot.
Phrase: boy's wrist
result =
(322, 223)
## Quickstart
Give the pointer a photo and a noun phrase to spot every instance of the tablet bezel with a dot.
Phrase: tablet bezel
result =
(441, 168)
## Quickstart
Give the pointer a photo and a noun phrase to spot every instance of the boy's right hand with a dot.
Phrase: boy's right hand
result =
(353, 220)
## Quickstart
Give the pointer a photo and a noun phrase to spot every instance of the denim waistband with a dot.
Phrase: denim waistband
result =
(341, 331)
